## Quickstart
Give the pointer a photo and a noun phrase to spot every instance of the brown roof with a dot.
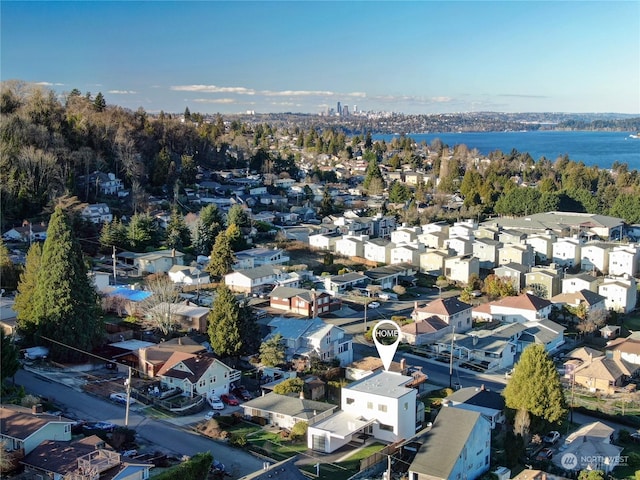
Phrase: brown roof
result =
(626, 345)
(173, 360)
(445, 306)
(21, 423)
(525, 301)
(428, 325)
(196, 365)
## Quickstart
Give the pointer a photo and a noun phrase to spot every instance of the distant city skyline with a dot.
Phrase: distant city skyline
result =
(417, 57)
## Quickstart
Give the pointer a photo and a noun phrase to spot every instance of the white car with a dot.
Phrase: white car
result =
(215, 402)
(374, 305)
(120, 398)
(210, 414)
(551, 437)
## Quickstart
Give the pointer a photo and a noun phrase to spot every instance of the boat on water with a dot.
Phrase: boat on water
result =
(637, 135)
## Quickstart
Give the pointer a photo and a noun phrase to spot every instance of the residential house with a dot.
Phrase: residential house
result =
(378, 250)
(629, 348)
(511, 237)
(254, 280)
(200, 374)
(567, 252)
(520, 309)
(351, 246)
(461, 245)
(432, 262)
(592, 301)
(105, 183)
(307, 338)
(542, 245)
(621, 293)
(424, 331)
(484, 349)
(435, 239)
(513, 273)
(97, 213)
(591, 446)
(407, 253)
(27, 233)
(464, 229)
(185, 316)
(324, 241)
(285, 411)
(624, 259)
(547, 279)
(436, 227)
(151, 358)
(577, 357)
(451, 310)
(522, 254)
(413, 178)
(542, 332)
(258, 257)
(8, 316)
(366, 366)
(457, 446)
(405, 234)
(379, 405)
(486, 402)
(487, 232)
(341, 283)
(286, 469)
(602, 374)
(460, 268)
(186, 275)
(25, 428)
(159, 261)
(300, 301)
(390, 275)
(581, 281)
(486, 251)
(383, 225)
(85, 458)
(595, 256)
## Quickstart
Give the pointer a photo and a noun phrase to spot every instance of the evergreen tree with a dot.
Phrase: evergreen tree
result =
(207, 228)
(99, 103)
(235, 237)
(8, 271)
(113, 233)
(272, 351)
(249, 329)
(290, 385)
(65, 303)
(142, 232)
(26, 289)
(373, 170)
(399, 193)
(178, 234)
(327, 205)
(237, 216)
(225, 333)
(222, 257)
(9, 356)
(535, 387)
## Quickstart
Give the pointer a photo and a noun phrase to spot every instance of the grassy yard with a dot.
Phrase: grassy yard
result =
(272, 445)
(627, 472)
(632, 322)
(345, 469)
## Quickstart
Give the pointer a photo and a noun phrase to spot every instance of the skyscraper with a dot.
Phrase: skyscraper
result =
(339, 109)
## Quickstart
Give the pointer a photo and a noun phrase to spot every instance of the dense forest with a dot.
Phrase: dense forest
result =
(50, 143)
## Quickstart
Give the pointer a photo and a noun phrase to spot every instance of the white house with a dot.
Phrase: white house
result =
(285, 411)
(542, 245)
(486, 251)
(351, 246)
(581, 281)
(97, 213)
(457, 446)
(464, 229)
(254, 279)
(378, 250)
(591, 446)
(436, 227)
(187, 275)
(521, 253)
(461, 245)
(197, 375)
(257, 257)
(624, 259)
(486, 402)
(405, 234)
(407, 253)
(433, 239)
(514, 273)
(460, 268)
(341, 283)
(159, 261)
(324, 241)
(451, 310)
(595, 256)
(379, 405)
(520, 309)
(312, 338)
(621, 293)
(432, 261)
(566, 252)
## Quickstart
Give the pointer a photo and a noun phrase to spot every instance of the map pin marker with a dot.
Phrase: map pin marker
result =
(386, 336)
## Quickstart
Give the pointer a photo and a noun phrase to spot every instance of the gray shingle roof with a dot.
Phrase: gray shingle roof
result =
(290, 406)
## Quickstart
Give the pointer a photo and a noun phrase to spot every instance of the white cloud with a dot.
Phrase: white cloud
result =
(49, 84)
(122, 92)
(213, 89)
(215, 100)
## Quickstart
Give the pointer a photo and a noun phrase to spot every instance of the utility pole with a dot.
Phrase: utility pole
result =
(128, 385)
(113, 256)
(365, 316)
(453, 337)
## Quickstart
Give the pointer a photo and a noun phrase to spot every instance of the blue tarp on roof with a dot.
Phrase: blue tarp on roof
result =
(133, 295)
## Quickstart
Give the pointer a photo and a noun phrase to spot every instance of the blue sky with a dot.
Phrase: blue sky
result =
(303, 56)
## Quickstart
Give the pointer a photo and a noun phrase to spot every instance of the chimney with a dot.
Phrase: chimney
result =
(475, 339)
(179, 340)
(482, 388)
(403, 365)
(301, 395)
(173, 253)
(36, 409)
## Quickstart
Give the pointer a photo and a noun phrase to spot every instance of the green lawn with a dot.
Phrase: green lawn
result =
(632, 322)
(271, 445)
(627, 472)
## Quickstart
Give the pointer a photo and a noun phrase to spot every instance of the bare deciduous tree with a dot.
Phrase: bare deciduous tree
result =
(158, 309)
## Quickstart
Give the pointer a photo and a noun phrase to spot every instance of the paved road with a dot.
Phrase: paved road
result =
(166, 436)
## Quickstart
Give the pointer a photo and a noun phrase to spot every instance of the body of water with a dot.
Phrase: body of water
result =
(591, 148)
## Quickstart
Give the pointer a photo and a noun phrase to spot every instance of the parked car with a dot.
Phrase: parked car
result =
(242, 393)
(120, 398)
(217, 466)
(230, 400)
(130, 453)
(545, 454)
(210, 414)
(551, 437)
(104, 426)
(635, 437)
(374, 305)
(215, 402)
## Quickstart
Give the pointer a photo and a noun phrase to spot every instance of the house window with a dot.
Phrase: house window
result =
(382, 408)
(388, 428)
(350, 401)
(406, 405)
(370, 405)
(67, 428)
